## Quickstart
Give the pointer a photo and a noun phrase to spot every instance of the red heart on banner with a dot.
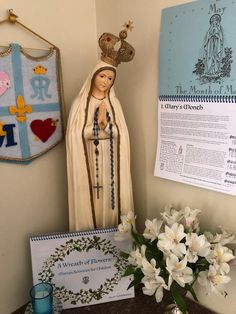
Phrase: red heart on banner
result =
(43, 129)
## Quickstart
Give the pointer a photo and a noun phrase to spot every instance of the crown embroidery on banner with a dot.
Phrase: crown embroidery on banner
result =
(124, 53)
(40, 70)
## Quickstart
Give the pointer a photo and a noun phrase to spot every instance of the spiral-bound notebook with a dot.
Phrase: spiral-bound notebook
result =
(85, 268)
(197, 95)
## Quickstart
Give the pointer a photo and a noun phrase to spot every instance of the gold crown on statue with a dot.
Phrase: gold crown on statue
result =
(107, 43)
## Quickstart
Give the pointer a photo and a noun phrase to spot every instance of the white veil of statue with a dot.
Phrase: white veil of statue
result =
(98, 158)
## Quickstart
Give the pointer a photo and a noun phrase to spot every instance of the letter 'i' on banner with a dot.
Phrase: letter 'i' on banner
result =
(31, 100)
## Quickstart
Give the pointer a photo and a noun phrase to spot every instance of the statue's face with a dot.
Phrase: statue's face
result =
(103, 81)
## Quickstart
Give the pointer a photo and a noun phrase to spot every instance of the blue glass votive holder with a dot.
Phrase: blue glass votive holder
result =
(42, 298)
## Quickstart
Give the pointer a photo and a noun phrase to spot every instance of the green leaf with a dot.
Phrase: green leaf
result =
(132, 284)
(141, 239)
(191, 290)
(154, 252)
(202, 264)
(149, 253)
(136, 281)
(124, 254)
(135, 236)
(179, 301)
(138, 276)
(129, 270)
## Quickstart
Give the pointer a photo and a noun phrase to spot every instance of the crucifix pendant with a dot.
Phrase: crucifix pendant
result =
(98, 187)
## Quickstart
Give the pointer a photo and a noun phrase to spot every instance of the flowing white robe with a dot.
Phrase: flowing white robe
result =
(86, 211)
(213, 45)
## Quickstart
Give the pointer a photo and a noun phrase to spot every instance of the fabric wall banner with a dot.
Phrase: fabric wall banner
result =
(30, 103)
(197, 95)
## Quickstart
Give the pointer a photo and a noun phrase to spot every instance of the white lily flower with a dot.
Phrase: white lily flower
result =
(169, 241)
(136, 257)
(171, 215)
(209, 236)
(213, 280)
(190, 220)
(152, 286)
(178, 270)
(185, 251)
(127, 222)
(153, 283)
(220, 256)
(197, 246)
(122, 236)
(149, 268)
(152, 229)
(224, 238)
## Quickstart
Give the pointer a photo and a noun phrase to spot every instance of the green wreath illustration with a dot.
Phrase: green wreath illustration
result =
(80, 245)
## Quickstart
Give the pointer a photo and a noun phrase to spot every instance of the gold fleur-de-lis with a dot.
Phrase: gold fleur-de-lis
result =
(20, 109)
(2, 133)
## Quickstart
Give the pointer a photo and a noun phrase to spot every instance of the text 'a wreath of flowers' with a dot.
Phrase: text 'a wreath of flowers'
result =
(83, 270)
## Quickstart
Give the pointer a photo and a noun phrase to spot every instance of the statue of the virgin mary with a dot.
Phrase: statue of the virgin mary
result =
(97, 143)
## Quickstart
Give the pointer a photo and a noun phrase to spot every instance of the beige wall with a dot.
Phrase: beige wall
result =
(34, 197)
(136, 87)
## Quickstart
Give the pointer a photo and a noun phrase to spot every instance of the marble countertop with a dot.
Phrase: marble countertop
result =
(141, 304)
